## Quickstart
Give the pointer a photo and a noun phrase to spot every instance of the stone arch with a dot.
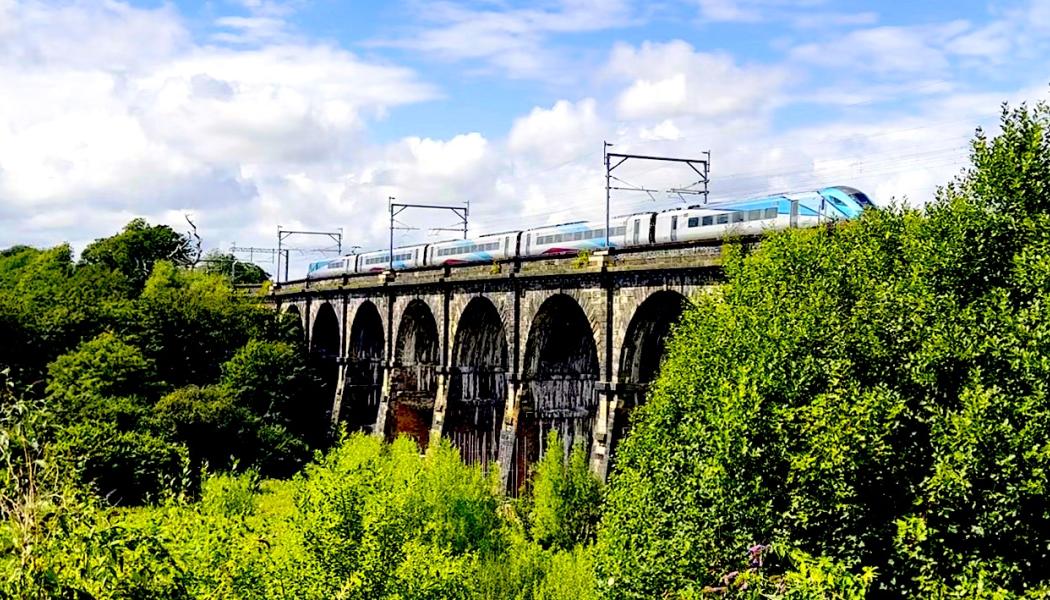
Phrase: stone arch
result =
(643, 350)
(559, 372)
(477, 388)
(647, 334)
(591, 302)
(413, 378)
(364, 366)
(294, 318)
(325, 347)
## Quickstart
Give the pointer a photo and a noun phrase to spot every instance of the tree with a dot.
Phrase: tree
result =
(208, 420)
(270, 379)
(227, 265)
(191, 322)
(137, 248)
(870, 394)
(566, 497)
(99, 376)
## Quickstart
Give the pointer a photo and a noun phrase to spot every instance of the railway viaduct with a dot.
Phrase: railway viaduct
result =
(494, 356)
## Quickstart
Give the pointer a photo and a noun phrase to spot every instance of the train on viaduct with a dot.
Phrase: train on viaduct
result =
(492, 357)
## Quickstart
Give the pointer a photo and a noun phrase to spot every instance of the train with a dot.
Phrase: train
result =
(681, 225)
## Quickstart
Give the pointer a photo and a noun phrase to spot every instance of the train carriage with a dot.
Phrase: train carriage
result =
(752, 217)
(332, 268)
(484, 249)
(408, 257)
(570, 238)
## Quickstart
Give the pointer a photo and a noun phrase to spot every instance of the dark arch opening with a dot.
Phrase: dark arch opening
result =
(413, 378)
(560, 370)
(364, 364)
(292, 321)
(643, 350)
(324, 352)
(477, 383)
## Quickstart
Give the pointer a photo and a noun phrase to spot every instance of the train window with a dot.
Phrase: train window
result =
(708, 220)
(754, 215)
(694, 221)
(771, 212)
(722, 219)
(738, 217)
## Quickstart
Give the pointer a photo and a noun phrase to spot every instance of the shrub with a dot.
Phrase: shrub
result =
(869, 394)
(81, 381)
(270, 379)
(566, 497)
(124, 467)
(209, 422)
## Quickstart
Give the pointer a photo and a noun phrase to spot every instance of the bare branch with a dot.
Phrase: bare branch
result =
(197, 244)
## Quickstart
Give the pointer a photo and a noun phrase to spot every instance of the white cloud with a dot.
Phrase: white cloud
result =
(118, 109)
(672, 79)
(908, 50)
(798, 13)
(557, 134)
(128, 115)
(730, 10)
(512, 42)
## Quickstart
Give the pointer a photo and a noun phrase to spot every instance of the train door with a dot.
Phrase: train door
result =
(637, 228)
(794, 213)
(528, 243)
(674, 228)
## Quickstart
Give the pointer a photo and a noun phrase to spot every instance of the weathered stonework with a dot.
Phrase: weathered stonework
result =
(493, 356)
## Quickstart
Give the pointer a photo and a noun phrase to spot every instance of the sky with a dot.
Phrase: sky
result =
(247, 115)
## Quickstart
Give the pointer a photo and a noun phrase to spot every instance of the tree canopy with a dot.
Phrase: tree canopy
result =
(240, 272)
(135, 250)
(873, 393)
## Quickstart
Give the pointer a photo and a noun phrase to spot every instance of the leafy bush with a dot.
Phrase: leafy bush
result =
(209, 421)
(566, 497)
(83, 382)
(124, 467)
(271, 380)
(135, 250)
(870, 394)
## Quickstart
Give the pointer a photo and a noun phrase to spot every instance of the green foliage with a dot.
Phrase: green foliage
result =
(583, 259)
(124, 467)
(566, 497)
(268, 378)
(367, 508)
(870, 394)
(208, 421)
(91, 378)
(227, 265)
(190, 323)
(134, 251)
